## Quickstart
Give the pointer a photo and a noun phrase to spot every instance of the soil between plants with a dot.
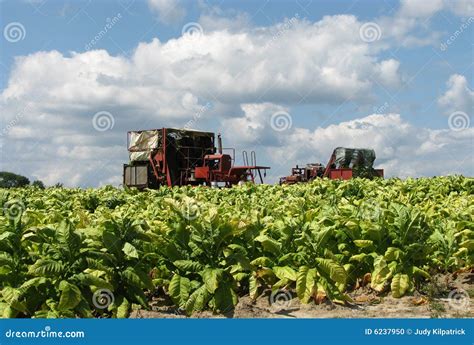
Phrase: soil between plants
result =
(367, 304)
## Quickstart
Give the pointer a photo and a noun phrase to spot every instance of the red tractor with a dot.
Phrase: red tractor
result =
(345, 163)
(178, 157)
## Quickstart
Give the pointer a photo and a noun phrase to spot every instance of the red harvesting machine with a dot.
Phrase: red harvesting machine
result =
(178, 157)
(345, 163)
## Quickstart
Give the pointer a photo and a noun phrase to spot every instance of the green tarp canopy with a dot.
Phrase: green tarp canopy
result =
(350, 158)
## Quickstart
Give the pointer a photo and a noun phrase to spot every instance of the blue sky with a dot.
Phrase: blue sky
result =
(421, 82)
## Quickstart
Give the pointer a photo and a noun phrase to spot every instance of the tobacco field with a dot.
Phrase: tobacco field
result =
(101, 252)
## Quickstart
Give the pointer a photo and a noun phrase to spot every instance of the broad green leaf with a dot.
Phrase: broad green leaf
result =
(111, 242)
(331, 268)
(12, 297)
(90, 279)
(6, 235)
(130, 250)
(70, 296)
(262, 261)
(225, 298)
(46, 267)
(179, 290)
(188, 265)
(198, 300)
(33, 282)
(66, 235)
(137, 278)
(269, 244)
(380, 275)
(392, 254)
(285, 272)
(305, 283)
(322, 237)
(400, 284)
(211, 278)
(419, 272)
(123, 310)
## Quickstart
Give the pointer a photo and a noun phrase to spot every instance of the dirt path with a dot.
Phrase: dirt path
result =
(454, 299)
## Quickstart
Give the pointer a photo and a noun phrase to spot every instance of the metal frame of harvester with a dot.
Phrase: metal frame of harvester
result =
(178, 157)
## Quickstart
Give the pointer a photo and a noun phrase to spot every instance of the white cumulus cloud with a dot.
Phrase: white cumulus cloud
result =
(458, 96)
(168, 11)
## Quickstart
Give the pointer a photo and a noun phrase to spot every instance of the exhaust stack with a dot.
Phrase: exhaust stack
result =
(219, 143)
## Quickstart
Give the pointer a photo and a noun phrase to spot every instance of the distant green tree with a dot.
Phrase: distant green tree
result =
(38, 184)
(11, 180)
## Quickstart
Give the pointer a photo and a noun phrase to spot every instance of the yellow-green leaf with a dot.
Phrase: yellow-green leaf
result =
(363, 243)
(285, 272)
(331, 268)
(130, 250)
(305, 283)
(380, 275)
(400, 285)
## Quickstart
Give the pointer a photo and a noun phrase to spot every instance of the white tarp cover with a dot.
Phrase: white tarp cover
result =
(139, 156)
(144, 140)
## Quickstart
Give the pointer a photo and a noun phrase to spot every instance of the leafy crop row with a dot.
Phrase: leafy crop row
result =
(73, 252)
